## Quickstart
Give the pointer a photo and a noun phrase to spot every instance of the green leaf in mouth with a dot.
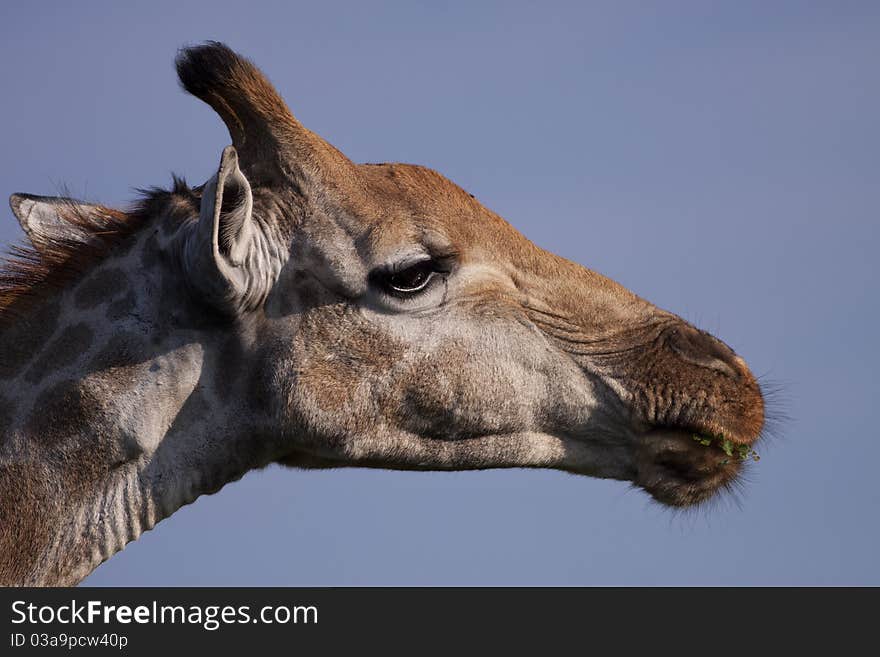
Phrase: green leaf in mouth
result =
(744, 452)
(727, 446)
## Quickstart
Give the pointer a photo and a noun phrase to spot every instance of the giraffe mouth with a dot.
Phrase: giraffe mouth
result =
(681, 468)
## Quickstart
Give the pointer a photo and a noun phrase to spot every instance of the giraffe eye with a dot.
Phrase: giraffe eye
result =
(407, 281)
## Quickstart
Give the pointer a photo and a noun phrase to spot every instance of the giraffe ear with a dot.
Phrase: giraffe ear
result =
(228, 205)
(48, 219)
(222, 253)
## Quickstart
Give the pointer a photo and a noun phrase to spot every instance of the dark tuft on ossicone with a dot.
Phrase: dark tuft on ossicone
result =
(202, 69)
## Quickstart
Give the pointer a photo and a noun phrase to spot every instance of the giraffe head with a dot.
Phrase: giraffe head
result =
(393, 321)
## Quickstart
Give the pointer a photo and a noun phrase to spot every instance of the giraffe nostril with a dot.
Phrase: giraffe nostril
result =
(704, 350)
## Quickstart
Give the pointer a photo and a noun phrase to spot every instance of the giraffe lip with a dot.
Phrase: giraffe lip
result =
(678, 470)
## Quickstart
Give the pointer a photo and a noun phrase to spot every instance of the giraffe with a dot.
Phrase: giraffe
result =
(302, 309)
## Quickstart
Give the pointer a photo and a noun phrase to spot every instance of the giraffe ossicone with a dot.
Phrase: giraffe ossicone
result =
(302, 309)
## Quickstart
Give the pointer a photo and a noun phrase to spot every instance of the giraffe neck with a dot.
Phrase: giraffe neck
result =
(120, 401)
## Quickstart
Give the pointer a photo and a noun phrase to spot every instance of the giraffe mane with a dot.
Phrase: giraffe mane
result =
(29, 274)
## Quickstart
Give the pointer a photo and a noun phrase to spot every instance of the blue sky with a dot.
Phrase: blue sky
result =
(720, 159)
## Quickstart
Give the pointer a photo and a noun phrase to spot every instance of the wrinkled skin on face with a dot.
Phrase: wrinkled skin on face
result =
(398, 323)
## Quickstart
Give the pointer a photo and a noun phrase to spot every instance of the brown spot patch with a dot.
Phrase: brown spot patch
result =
(122, 307)
(102, 286)
(70, 424)
(121, 350)
(64, 408)
(64, 351)
(24, 338)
